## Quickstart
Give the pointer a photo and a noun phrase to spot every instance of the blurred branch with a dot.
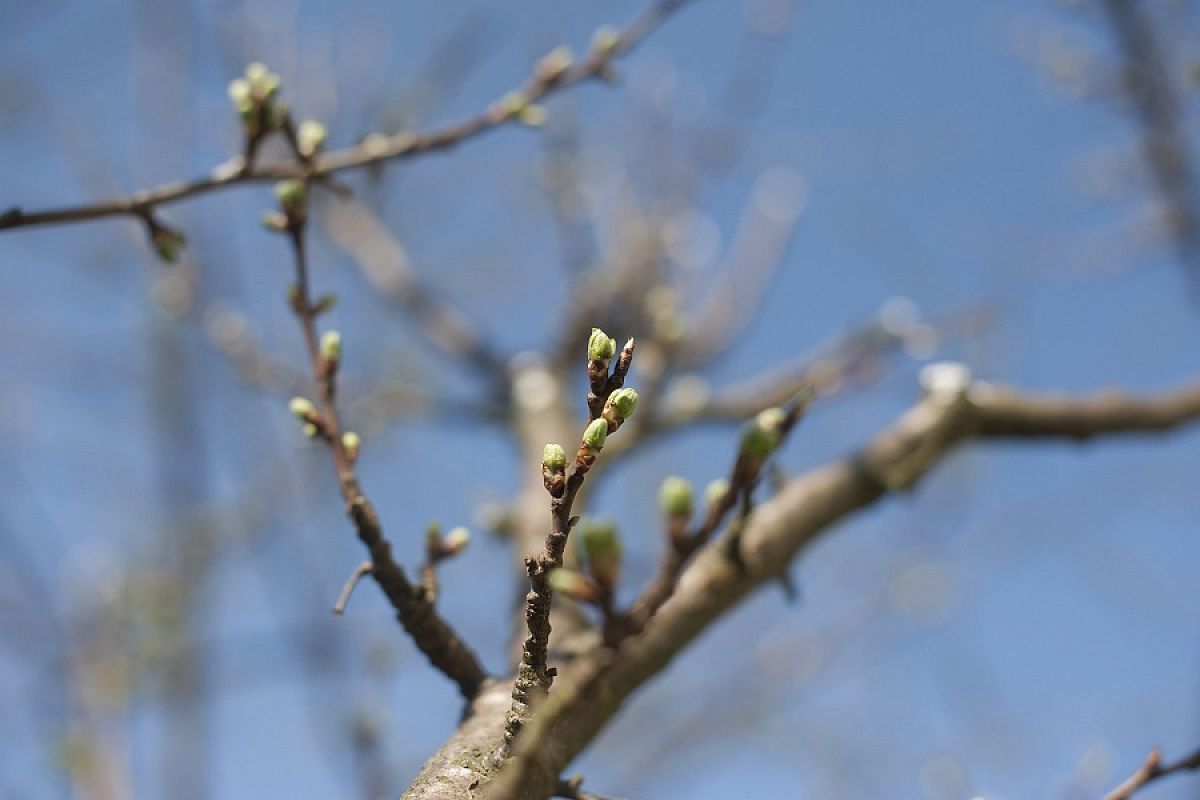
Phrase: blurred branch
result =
(849, 359)
(374, 149)
(766, 229)
(1151, 770)
(1165, 144)
(591, 690)
(385, 263)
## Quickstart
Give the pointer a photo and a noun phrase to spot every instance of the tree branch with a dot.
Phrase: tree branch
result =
(373, 150)
(1151, 770)
(590, 691)
(414, 609)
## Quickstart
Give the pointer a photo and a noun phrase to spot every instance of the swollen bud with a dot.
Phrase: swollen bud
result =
(601, 548)
(533, 115)
(291, 195)
(302, 408)
(167, 243)
(715, 492)
(573, 585)
(456, 541)
(351, 441)
(623, 402)
(331, 346)
(554, 458)
(239, 95)
(601, 347)
(675, 497)
(433, 539)
(595, 434)
(762, 434)
(606, 39)
(554, 64)
(310, 138)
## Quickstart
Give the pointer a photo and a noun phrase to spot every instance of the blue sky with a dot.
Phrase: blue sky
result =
(1021, 626)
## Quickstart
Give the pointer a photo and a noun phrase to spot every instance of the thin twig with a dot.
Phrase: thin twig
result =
(743, 478)
(432, 635)
(1151, 770)
(534, 675)
(360, 571)
(373, 150)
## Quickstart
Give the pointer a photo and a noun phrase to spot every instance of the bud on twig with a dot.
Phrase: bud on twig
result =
(595, 434)
(255, 97)
(331, 347)
(310, 138)
(554, 458)
(456, 541)
(167, 242)
(715, 493)
(554, 467)
(302, 409)
(601, 548)
(605, 40)
(601, 347)
(554, 64)
(762, 434)
(573, 585)
(351, 442)
(292, 196)
(675, 497)
(623, 402)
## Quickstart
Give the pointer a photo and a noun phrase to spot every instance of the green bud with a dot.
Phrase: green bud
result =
(595, 434)
(291, 195)
(331, 346)
(675, 497)
(762, 434)
(601, 346)
(456, 540)
(606, 39)
(555, 63)
(310, 430)
(771, 419)
(325, 303)
(239, 95)
(310, 137)
(256, 71)
(533, 115)
(554, 457)
(351, 442)
(572, 584)
(167, 243)
(601, 546)
(433, 539)
(715, 491)
(623, 401)
(302, 408)
(263, 83)
(513, 103)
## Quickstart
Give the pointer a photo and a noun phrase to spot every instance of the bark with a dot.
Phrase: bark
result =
(591, 689)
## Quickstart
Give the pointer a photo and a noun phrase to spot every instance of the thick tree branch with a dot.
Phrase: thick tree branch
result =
(373, 150)
(590, 691)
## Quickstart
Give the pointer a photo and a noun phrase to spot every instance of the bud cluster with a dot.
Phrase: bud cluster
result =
(255, 96)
